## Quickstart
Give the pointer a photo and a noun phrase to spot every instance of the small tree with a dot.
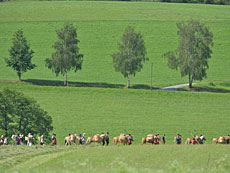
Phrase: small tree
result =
(20, 55)
(131, 53)
(66, 56)
(19, 114)
(193, 51)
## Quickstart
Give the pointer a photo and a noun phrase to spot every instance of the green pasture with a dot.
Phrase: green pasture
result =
(136, 111)
(100, 25)
(167, 158)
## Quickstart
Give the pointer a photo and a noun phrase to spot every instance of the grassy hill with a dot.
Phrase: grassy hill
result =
(139, 112)
(100, 25)
(97, 101)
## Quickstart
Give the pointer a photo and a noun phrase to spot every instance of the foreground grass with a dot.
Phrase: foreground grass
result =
(100, 25)
(139, 112)
(166, 158)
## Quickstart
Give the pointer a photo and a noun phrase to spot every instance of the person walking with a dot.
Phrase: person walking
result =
(54, 140)
(163, 139)
(6, 142)
(107, 138)
(42, 140)
(130, 139)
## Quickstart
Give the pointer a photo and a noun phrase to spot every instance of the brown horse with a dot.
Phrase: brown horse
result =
(197, 140)
(215, 140)
(116, 140)
(150, 139)
(96, 138)
(222, 140)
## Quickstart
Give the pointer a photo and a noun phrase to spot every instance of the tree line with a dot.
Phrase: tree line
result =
(191, 56)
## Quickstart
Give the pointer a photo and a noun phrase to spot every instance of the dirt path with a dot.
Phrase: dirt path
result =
(175, 87)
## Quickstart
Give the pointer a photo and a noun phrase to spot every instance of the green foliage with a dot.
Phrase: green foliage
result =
(193, 51)
(131, 53)
(22, 115)
(66, 56)
(20, 55)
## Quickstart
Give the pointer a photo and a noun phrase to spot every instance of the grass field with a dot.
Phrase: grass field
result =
(167, 158)
(140, 112)
(97, 101)
(100, 25)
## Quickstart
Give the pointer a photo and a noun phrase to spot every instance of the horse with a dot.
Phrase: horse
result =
(68, 140)
(198, 140)
(150, 139)
(96, 138)
(116, 140)
(222, 140)
(215, 140)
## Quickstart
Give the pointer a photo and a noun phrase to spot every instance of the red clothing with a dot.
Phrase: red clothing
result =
(54, 141)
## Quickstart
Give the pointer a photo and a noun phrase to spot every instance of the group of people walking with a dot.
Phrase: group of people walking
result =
(103, 139)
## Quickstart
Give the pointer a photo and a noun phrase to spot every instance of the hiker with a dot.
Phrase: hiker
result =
(107, 138)
(17, 139)
(21, 139)
(54, 140)
(6, 142)
(83, 139)
(227, 139)
(155, 139)
(163, 139)
(80, 141)
(130, 139)
(30, 139)
(178, 139)
(194, 139)
(202, 139)
(42, 140)
(1, 140)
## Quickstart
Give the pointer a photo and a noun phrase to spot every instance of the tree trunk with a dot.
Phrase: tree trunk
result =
(128, 80)
(65, 82)
(190, 80)
(19, 76)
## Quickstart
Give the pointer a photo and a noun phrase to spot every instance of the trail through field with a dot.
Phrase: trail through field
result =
(175, 87)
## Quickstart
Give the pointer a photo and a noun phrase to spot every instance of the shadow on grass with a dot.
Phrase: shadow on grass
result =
(210, 89)
(83, 84)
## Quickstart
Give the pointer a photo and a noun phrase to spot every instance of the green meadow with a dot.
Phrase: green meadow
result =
(100, 26)
(97, 101)
(164, 158)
